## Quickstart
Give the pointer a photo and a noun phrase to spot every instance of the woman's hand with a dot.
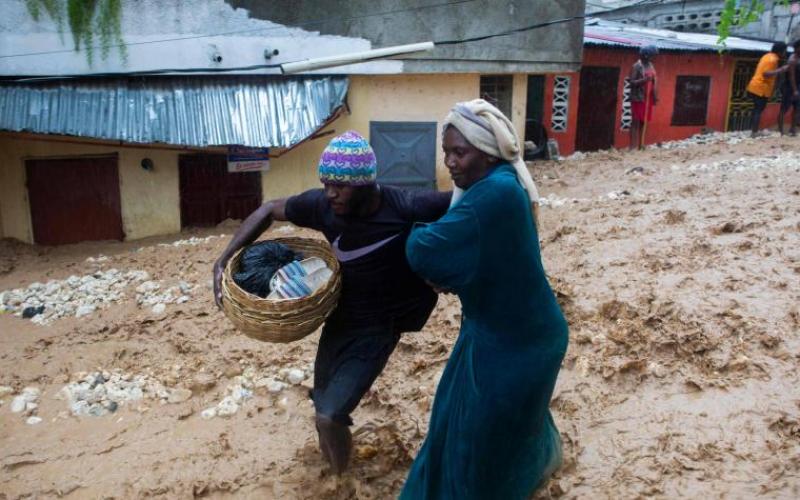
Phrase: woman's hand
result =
(439, 289)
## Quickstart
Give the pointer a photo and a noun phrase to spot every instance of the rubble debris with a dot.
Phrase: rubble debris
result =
(73, 296)
(100, 393)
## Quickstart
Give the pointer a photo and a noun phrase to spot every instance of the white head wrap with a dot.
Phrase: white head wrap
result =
(488, 129)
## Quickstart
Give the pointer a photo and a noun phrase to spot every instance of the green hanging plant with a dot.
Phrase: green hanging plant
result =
(88, 20)
(109, 18)
(738, 13)
(51, 7)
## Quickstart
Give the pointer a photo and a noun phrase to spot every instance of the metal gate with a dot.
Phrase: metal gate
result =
(740, 107)
(74, 199)
(210, 194)
(406, 153)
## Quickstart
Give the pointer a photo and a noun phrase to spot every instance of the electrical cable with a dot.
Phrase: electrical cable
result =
(510, 32)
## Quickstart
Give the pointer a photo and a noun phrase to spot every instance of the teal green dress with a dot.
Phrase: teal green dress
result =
(491, 435)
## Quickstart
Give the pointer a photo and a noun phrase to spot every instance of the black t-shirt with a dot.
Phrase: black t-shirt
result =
(378, 286)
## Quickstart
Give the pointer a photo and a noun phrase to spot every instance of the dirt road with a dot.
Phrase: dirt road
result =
(678, 270)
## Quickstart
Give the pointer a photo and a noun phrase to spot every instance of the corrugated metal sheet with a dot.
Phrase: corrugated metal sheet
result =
(201, 111)
(598, 32)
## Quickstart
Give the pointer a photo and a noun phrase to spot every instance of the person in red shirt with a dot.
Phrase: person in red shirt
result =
(643, 94)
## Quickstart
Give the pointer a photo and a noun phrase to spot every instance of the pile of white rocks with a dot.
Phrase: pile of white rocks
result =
(555, 201)
(98, 260)
(242, 386)
(100, 393)
(150, 294)
(74, 296)
(783, 161)
(730, 138)
(193, 241)
(26, 402)
(576, 156)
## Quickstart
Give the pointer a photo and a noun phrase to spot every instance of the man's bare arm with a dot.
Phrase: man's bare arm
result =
(252, 227)
(782, 69)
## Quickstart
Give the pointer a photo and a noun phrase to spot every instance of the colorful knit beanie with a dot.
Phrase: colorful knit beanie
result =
(348, 159)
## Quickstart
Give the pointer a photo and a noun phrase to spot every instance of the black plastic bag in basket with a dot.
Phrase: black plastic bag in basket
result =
(259, 262)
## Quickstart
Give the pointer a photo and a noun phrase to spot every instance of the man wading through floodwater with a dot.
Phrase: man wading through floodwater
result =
(381, 298)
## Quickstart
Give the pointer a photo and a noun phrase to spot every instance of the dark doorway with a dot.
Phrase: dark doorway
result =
(210, 194)
(534, 116)
(74, 200)
(597, 108)
(406, 153)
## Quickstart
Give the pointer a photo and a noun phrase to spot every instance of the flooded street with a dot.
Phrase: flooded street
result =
(677, 268)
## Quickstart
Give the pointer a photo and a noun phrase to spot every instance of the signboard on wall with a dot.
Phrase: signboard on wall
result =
(243, 159)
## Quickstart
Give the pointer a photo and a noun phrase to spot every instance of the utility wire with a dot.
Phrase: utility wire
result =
(511, 32)
(623, 7)
(278, 65)
(253, 30)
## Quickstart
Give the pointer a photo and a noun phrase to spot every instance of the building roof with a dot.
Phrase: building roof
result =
(603, 33)
(202, 111)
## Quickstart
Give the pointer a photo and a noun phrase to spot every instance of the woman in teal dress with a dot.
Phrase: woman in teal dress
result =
(491, 434)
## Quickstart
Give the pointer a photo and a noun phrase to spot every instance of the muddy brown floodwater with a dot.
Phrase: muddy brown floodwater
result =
(679, 272)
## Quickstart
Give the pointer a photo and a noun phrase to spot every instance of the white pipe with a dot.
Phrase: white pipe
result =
(354, 57)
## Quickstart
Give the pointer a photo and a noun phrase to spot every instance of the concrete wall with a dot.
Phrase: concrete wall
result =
(388, 98)
(566, 138)
(702, 16)
(548, 49)
(150, 201)
(163, 34)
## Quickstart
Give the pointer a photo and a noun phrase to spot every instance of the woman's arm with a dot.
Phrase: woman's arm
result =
(446, 253)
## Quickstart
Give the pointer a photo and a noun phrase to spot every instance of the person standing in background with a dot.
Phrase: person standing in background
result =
(790, 96)
(643, 94)
(762, 84)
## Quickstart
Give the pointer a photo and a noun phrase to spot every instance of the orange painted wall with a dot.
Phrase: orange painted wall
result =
(566, 139)
(668, 67)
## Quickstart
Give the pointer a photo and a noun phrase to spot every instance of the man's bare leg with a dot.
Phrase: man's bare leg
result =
(634, 129)
(336, 443)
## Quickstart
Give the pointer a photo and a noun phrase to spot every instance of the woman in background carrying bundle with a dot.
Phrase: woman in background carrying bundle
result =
(491, 434)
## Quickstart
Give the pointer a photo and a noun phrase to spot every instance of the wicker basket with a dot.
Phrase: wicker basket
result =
(282, 320)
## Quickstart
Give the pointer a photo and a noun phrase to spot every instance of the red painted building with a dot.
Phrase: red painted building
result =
(698, 88)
